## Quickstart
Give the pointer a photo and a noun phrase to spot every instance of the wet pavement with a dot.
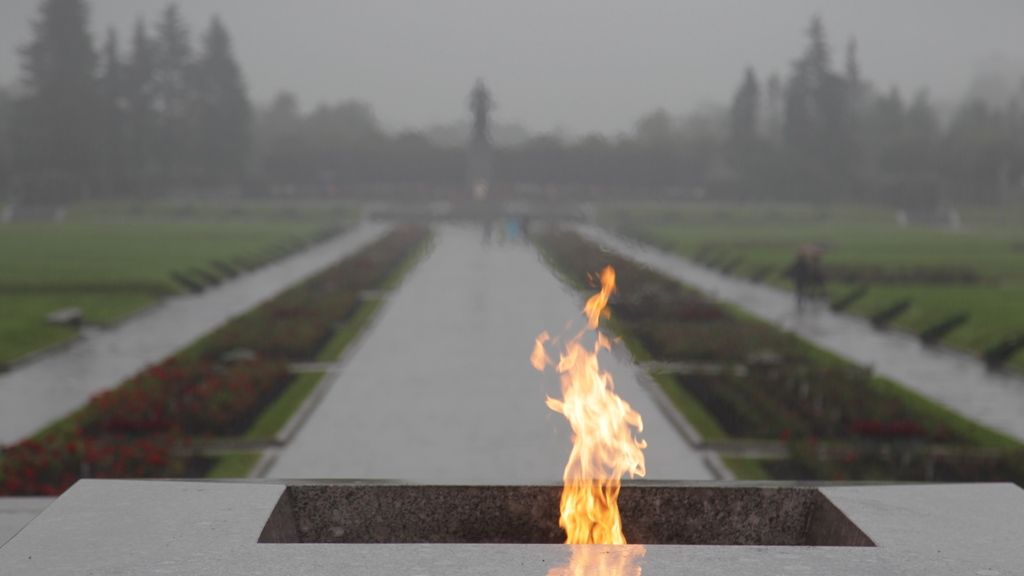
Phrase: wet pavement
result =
(33, 395)
(441, 388)
(956, 380)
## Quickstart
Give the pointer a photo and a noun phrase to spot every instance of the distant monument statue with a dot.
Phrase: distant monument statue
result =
(479, 170)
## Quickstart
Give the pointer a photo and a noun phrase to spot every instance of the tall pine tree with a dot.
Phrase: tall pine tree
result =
(57, 116)
(773, 109)
(142, 119)
(223, 110)
(174, 99)
(743, 119)
(6, 135)
(818, 123)
(112, 129)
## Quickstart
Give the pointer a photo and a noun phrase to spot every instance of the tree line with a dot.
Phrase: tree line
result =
(821, 132)
(161, 115)
(166, 115)
(825, 132)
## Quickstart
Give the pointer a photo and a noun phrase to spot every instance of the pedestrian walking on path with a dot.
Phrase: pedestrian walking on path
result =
(807, 275)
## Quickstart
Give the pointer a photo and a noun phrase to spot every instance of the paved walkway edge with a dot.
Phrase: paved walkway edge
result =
(329, 378)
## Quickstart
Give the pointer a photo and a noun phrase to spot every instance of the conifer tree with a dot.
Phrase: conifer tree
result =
(743, 118)
(174, 99)
(112, 106)
(143, 123)
(57, 114)
(223, 109)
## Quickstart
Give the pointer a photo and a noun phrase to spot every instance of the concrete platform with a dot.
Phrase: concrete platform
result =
(15, 513)
(187, 528)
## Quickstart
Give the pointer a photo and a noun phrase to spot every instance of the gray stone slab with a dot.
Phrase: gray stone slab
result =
(959, 382)
(15, 513)
(187, 528)
(33, 395)
(441, 389)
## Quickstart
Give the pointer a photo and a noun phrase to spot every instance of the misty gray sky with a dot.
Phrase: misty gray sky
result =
(574, 65)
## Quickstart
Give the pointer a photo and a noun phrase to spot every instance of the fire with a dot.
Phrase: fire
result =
(604, 447)
(597, 305)
(539, 358)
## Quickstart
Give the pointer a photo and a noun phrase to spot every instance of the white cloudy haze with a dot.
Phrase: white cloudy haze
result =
(575, 65)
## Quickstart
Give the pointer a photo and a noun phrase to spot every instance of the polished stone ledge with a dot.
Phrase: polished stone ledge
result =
(145, 527)
(16, 512)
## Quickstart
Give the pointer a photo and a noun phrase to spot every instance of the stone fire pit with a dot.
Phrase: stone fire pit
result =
(244, 528)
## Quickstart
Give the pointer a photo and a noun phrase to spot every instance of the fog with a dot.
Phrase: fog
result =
(570, 66)
(468, 242)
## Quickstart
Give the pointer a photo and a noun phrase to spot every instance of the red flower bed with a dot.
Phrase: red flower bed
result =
(132, 431)
(50, 465)
(305, 317)
(299, 329)
(882, 429)
(195, 398)
(226, 402)
(788, 389)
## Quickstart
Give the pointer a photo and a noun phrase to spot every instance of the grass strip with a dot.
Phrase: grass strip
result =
(347, 333)
(274, 417)
(746, 469)
(234, 465)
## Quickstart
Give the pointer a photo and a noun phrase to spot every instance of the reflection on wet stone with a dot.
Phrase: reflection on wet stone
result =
(600, 560)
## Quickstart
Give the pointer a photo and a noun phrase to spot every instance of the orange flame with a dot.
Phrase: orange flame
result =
(597, 305)
(539, 357)
(603, 444)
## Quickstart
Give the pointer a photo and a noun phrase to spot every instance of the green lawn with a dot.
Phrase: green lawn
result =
(22, 329)
(993, 311)
(746, 469)
(234, 465)
(763, 237)
(112, 259)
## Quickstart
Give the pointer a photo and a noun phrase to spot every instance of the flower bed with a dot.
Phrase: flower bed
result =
(197, 398)
(51, 464)
(217, 387)
(787, 390)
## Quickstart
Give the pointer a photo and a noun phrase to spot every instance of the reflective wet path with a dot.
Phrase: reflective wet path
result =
(37, 393)
(441, 388)
(956, 380)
